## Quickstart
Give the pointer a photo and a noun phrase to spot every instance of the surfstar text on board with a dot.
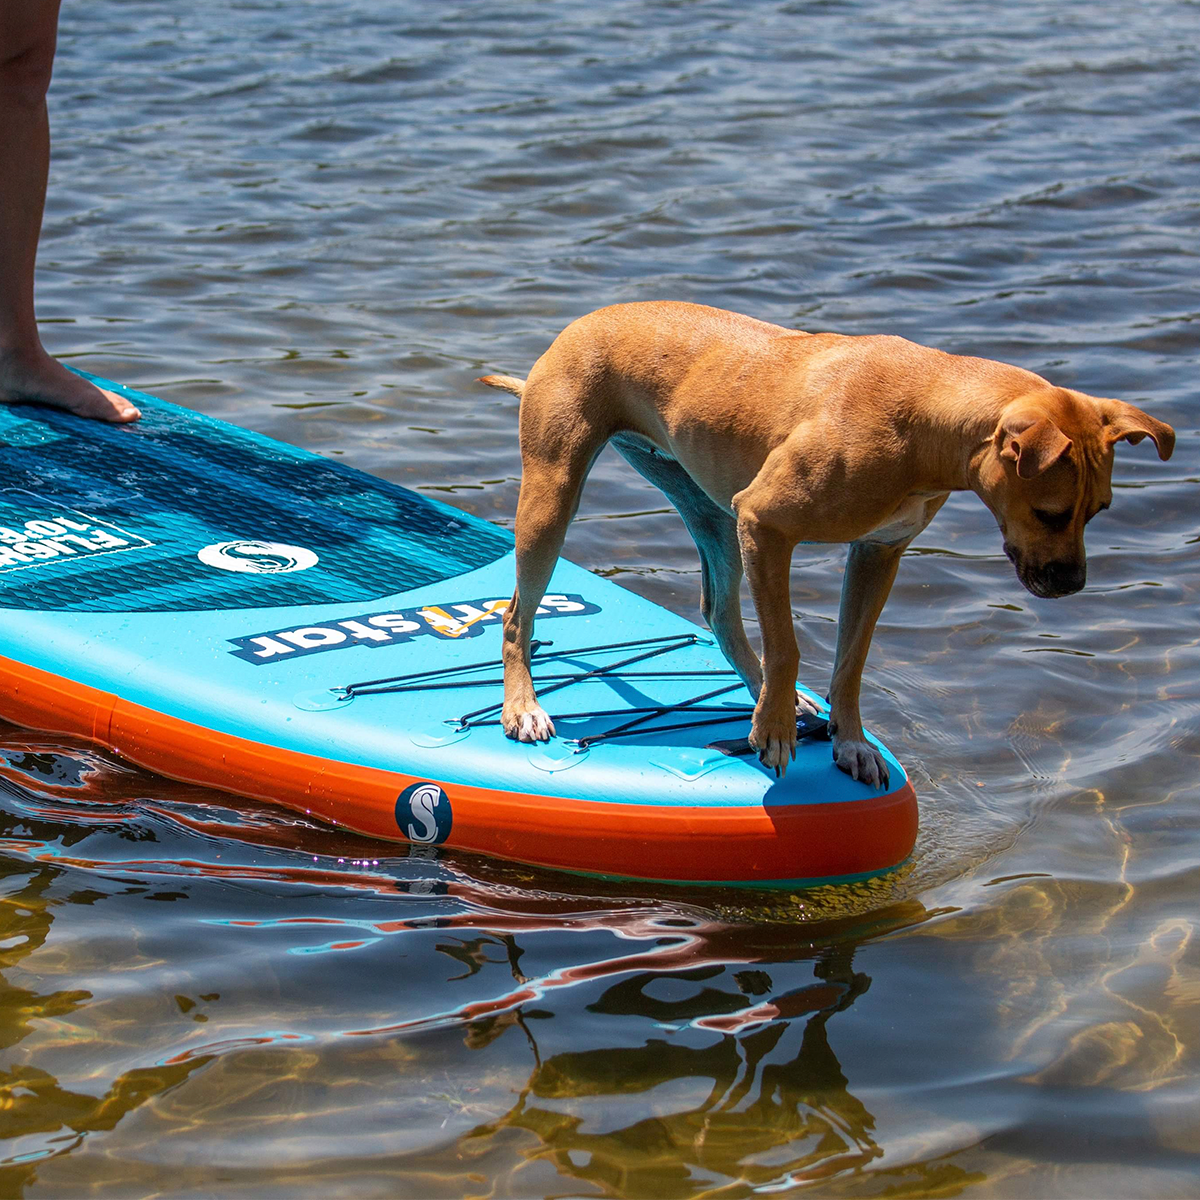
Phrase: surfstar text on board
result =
(460, 618)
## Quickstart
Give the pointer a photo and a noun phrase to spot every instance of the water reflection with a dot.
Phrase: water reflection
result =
(778, 1109)
(703, 1008)
(40, 1117)
(686, 1045)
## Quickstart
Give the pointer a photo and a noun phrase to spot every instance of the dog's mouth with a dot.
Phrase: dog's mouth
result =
(1050, 580)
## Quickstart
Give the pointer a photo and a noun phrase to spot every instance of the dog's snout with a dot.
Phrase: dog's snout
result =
(1058, 579)
(1064, 578)
(1048, 580)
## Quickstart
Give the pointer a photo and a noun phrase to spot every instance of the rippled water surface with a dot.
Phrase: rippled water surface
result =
(322, 221)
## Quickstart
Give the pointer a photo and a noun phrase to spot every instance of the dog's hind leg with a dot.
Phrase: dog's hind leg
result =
(559, 443)
(715, 533)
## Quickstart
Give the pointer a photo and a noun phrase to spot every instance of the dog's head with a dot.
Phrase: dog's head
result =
(1047, 471)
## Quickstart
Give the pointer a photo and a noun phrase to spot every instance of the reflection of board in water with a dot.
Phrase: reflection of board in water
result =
(239, 613)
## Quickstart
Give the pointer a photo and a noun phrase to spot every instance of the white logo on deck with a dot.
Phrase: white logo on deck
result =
(257, 558)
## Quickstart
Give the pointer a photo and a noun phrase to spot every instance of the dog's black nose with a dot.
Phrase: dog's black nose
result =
(1062, 578)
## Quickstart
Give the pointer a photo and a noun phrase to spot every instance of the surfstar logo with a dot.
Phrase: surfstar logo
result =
(451, 620)
(257, 558)
(423, 813)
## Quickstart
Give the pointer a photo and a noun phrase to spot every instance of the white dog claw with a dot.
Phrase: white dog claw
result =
(531, 726)
(536, 726)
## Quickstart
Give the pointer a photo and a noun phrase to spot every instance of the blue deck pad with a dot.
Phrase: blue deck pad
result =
(152, 496)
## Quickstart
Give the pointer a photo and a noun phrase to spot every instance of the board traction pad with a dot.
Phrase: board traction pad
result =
(73, 538)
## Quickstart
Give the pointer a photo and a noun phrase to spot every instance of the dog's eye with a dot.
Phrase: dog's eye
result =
(1056, 522)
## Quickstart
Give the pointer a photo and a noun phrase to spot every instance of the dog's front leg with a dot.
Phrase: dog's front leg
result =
(870, 572)
(767, 558)
(545, 507)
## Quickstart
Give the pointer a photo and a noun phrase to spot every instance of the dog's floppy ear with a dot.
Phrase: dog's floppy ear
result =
(1124, 422)
(1034, 443)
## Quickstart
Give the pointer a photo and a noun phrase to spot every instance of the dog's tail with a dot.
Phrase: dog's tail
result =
(506, 383)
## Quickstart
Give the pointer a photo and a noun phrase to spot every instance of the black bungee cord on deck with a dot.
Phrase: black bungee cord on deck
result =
(439, 678)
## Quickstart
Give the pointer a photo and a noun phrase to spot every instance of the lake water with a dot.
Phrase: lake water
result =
(323, 221)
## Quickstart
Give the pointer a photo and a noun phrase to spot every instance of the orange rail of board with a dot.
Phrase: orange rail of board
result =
(648, 842)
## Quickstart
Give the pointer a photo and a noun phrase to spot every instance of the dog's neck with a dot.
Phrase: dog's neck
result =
(953, 452)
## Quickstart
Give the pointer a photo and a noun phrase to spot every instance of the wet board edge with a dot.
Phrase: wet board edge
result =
(782, 846)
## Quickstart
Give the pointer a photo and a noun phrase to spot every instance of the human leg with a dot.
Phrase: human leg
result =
(28, 32)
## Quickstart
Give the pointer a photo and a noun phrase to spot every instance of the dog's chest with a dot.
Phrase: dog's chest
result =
(906, 520)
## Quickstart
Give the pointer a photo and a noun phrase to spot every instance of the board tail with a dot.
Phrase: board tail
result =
(506, 383)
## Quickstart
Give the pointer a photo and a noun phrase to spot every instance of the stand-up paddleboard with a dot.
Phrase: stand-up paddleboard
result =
(232, 611)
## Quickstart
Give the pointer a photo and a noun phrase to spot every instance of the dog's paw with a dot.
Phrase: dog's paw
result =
(775, 741)
(527, 725)
(861, 761)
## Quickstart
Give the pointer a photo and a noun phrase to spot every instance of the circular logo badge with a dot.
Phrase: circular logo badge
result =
(257, 558)
(423, 813)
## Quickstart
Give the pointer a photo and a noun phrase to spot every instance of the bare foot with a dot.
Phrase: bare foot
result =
(40, 379)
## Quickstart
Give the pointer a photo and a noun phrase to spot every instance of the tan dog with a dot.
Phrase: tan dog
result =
(764, 437)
